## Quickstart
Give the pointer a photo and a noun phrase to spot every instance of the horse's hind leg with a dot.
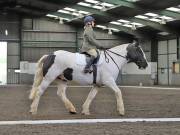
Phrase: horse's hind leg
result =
(120, 105)
(47, 80)
(37, 78)
(41, 89)
(88, 101)
(61, 92)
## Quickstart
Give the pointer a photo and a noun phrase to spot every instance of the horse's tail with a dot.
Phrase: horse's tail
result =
(38, 77)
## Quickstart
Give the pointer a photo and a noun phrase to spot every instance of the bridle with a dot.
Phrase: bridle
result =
(127, 57)
(106, 53)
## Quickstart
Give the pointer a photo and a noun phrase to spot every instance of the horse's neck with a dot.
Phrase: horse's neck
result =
(121, 49)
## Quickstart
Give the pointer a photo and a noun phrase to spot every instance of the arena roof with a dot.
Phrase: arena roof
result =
(141, 18)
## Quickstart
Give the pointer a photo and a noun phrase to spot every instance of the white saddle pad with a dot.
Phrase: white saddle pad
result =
(81, 59)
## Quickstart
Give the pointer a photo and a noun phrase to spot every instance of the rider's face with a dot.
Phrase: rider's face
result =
(93, 24)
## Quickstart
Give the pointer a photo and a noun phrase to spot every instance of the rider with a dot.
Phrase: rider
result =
(90, 43)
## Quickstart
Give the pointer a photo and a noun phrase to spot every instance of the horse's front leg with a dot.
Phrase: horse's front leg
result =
(120, 105)
(62, 94)
(88, 101)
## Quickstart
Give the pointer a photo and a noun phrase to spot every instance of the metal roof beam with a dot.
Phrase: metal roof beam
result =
(169, 13)
(155, 25)
(145, 22)
(91, 10)
(130, 5)
(135, 33)
(125, 4)
(119, 2)
(141, 10)
(63, 15)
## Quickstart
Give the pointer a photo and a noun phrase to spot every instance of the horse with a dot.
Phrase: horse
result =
(62, 67)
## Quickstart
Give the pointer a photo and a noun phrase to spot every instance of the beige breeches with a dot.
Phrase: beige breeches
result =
(92, 52)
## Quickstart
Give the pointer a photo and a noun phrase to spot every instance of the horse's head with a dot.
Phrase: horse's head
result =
(135, 54)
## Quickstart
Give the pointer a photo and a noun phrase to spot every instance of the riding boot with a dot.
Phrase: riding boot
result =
(90, 62)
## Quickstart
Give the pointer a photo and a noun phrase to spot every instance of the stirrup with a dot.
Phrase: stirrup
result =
(88, 70)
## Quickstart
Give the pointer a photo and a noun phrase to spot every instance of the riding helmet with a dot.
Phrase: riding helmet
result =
(88, 19)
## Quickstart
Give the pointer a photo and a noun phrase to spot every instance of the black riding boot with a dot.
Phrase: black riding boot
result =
(90, 62)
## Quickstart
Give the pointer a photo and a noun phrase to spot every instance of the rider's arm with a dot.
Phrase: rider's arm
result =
(91, 39)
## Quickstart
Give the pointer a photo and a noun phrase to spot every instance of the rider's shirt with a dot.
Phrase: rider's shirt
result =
(89, 40)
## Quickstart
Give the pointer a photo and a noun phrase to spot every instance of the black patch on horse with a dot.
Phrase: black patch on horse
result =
(48, 63)
(68, 73)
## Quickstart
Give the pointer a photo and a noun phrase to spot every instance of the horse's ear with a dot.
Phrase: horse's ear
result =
(135, 43)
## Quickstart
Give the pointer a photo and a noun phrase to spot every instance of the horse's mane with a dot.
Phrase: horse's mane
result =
(120, 47)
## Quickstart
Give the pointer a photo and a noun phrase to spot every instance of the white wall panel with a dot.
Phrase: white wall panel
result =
(162, 47)
(162, 61)
(172, 46)
(13, 61)
(163, 76)
(13, 48)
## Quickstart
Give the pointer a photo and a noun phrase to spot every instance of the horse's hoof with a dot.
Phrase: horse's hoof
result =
(71, 112)
(85, 113)
(33, 112)
(121, 113)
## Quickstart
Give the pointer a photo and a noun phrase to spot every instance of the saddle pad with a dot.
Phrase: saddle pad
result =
(81, 59)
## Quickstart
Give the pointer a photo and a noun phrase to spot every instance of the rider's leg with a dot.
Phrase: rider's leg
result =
(93, 54)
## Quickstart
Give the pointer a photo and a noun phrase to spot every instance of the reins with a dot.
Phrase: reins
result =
(107, 59)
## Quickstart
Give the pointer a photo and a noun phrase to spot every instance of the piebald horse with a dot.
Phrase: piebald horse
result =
(62, 66)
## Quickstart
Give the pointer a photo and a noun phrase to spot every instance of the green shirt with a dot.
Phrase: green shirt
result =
(89, 40)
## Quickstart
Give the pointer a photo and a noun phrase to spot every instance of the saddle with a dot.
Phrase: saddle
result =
(82, 59)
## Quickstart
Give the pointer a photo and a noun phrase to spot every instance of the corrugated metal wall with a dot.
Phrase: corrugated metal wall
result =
(41, 37)
(10, 23)
(167, 54)
(13, 60)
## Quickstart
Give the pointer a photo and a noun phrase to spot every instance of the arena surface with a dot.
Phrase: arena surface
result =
(139, 103)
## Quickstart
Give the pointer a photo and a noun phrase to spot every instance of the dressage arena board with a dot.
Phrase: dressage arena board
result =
(149, 110)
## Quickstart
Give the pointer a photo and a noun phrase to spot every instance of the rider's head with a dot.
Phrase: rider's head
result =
(89, 20)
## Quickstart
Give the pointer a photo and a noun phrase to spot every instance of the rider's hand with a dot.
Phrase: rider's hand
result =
(103, 48)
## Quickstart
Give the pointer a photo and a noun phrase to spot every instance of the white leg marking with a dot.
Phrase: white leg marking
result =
(120, 105)
(41, 89)
(34, 105)
(37, 78)
(88, 101)
(62, 94)
(37, 81)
